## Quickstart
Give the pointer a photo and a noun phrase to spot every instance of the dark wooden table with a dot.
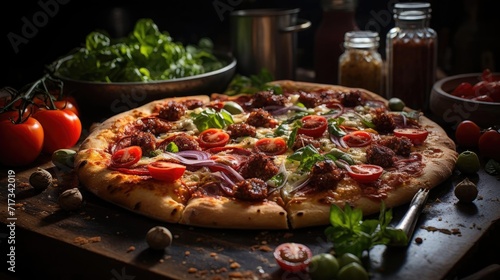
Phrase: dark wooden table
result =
(51, 242)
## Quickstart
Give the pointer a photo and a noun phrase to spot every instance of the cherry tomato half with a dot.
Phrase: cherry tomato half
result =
(357, 138)
(489, 143)
(166, 171)
(365, 173)
(293, 257)
(62, 129)
(313, 125)
(21, 143)
(213, 137)
(126, 157)
(416, 135)
(271, 146)
(463, 90)
(467, 134)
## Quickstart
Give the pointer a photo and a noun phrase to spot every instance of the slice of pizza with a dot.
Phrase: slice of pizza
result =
(118, 159)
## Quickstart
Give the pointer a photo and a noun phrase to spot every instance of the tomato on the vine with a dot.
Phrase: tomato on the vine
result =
(68, 105)
(489, 143)
(21, 142)
(467, 134)
(62, 129)
(313, 125)
(293, 256)
(166, 171)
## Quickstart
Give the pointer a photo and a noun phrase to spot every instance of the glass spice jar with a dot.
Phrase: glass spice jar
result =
(338, 17)
(411, 54)
(361, 65)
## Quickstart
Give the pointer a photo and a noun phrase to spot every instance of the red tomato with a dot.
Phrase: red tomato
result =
(486, 75)
(494, 92)
(68, 105)
(313, 125)
(365, 173)
(13, 115)
(467, 134)
(481, 88)
(416, 135)
(489, 144)
(293, 257)
(21, 143)
(271, 146)
(62, 129)
(463, 90)
(485, 98)
(213, 137)
(358, 138)
(126, 157)
(166, 171)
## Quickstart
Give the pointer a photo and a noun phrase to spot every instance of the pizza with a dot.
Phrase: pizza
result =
(275, 159)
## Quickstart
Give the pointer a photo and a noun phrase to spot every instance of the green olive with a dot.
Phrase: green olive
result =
(233, 107)
(348, 258)
(63, 158)
(353, 271)
(396, 104)
(323, 266)
(468, 162)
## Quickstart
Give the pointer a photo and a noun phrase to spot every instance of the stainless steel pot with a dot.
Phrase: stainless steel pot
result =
(266, 38)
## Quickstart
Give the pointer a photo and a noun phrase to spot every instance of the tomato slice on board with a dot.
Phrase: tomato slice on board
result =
(313, 125)
(271, 146)
(365, 173)
(416, 135)
(293, 257)
(213, 137)
(166, 171)
(358, 138)
(126, 157)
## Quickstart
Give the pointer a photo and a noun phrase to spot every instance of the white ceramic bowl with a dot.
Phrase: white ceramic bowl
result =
(452, 109)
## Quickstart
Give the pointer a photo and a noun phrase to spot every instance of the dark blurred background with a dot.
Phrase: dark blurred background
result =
(35, 33)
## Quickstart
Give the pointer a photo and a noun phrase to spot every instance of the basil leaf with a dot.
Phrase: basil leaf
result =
(210, 118)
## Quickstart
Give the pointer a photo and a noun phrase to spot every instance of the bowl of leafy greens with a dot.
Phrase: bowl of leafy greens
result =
(123, 73)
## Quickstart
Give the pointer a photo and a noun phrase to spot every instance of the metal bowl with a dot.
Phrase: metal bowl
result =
(452, 109)
(112, 98)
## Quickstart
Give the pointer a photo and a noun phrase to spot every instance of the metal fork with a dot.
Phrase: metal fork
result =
(409, 220)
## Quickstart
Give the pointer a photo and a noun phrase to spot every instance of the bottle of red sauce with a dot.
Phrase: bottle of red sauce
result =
(411, 54)
(338, 18)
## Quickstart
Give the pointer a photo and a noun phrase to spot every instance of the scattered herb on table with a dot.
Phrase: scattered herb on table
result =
(351, 234)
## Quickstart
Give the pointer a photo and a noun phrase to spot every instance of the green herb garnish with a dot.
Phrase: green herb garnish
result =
(210, 118)
(351, 234)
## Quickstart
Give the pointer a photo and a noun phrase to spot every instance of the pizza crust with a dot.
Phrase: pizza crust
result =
(221, 212)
